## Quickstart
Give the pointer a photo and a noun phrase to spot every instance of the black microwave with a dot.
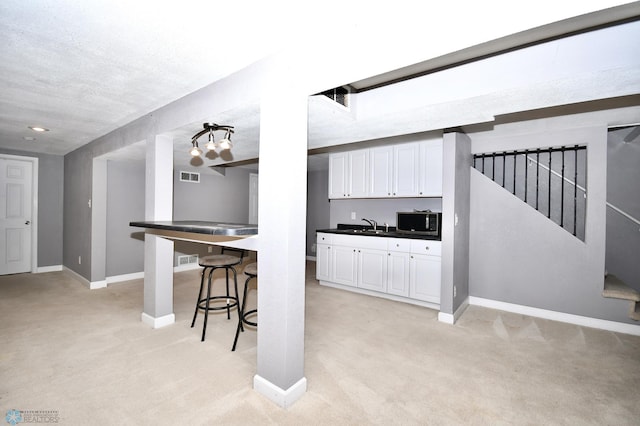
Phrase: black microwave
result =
(419, 222)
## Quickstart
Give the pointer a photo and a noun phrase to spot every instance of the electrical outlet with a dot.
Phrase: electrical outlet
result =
(455, 291)
(79, 260)
(353, 215)
(210, 249)
(313, 248)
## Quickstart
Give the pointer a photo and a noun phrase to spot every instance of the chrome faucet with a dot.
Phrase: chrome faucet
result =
(372, 223)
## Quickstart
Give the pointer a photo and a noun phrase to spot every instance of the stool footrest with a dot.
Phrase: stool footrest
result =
(231, 302)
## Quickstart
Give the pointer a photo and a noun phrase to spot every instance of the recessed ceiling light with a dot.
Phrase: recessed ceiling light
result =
(29, 138)
(38, 129)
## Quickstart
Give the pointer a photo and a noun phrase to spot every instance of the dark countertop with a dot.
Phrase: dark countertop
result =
(201, 227)
(347, 229)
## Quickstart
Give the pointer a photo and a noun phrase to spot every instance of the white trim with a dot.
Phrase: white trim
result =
(186, 267)
(34, 204)
(618, 327)
(124, 277)
(158, 322)
(430, 305)
(52, 268)
(91, 285)
(311, 258)
(283, 398)
(452, 318)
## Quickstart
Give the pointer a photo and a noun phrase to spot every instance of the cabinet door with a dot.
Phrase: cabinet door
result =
(406, 158)
(372, 269)
(358, 172)
(425, 278)
(381, 171)
(343, 265)
(338, 179)
(398, 273)
(323, 262)
(430, 173)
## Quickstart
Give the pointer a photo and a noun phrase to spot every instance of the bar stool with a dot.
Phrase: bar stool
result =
(211, 263)
(251, 270)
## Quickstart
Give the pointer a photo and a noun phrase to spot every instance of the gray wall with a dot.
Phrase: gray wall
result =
(317, 206)
(50, 206)
(519, 256)
(221, 198)
(125, 203)
(380, 210)
(623, 192)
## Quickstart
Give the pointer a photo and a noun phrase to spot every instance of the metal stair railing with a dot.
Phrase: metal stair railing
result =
(561, 162)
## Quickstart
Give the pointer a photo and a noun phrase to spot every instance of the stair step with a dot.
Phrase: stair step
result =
(614, 288)
(634, 312)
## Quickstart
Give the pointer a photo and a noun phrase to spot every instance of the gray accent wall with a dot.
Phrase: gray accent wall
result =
(519, 256)
(125, 203)
(380, 210)
(317, 206)
(50, 205)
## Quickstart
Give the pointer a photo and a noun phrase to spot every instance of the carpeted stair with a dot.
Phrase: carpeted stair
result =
(616, 289)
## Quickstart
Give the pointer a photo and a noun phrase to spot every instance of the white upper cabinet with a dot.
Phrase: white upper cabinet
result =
(430, 175)
(348, 174)
(406, 161)
(381, 172)
(405, 170)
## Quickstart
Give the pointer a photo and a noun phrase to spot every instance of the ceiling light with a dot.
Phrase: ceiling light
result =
(211, 145)
(195, 150)
(28, 138)
(38, 129)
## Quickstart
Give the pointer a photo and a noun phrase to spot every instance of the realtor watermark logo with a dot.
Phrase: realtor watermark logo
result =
(15, 417)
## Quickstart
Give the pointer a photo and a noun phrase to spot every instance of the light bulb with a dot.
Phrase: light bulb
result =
(195, 151)
(225, 144)
(211, 145)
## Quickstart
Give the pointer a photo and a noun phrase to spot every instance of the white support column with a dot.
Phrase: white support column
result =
(158, 252)
(281, 254)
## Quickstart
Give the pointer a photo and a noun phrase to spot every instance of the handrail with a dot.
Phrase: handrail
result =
(623, 213)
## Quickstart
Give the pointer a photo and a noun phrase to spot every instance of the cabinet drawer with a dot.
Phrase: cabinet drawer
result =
(323, 238)
(433, 248)
(399, 244)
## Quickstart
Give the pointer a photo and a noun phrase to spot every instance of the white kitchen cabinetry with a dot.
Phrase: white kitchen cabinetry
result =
(397, 267)
(372, 269)
(425, 270)
(381, 171)
(406, 160)
(348, 174)
(430, 173)
(405, 170)
(323, 257)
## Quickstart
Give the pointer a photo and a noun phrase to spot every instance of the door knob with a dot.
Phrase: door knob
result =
(27, 222)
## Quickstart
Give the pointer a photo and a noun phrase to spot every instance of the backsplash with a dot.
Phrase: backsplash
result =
(379, 209)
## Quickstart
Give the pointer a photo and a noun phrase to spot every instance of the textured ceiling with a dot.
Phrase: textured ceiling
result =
(85, 68)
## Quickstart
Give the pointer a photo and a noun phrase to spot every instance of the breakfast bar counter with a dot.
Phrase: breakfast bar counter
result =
(158, 263)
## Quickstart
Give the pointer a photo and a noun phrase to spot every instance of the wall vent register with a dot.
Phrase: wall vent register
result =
(189, 177)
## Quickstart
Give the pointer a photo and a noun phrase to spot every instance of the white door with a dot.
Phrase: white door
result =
(15, 215)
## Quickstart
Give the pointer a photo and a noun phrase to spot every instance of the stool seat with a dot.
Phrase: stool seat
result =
(225, 301)
(219, 260)
(251, 269)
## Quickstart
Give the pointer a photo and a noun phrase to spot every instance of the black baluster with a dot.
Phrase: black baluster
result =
(515, 153)
(526, 174)
(562, 192)
(504, 166)
(493, 167)
(575, 190)
(549, 195)
(537, 175)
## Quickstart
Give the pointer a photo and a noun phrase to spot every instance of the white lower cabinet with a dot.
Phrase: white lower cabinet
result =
(372, 269)
(395, 266)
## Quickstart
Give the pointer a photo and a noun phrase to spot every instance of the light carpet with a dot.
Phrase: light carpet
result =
(85, 356)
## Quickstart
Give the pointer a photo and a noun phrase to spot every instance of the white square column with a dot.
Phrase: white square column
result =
(281, 242)
(158, 252)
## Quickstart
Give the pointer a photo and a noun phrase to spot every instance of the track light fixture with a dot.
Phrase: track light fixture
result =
(211, 143)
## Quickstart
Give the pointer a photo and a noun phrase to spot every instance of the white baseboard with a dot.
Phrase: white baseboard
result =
(91, 285)
(159, 322)
(452, 318)
(283, 398)
(618, 327)
(187, 267)
(125, 277)
(311, 258)
(52, 268)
